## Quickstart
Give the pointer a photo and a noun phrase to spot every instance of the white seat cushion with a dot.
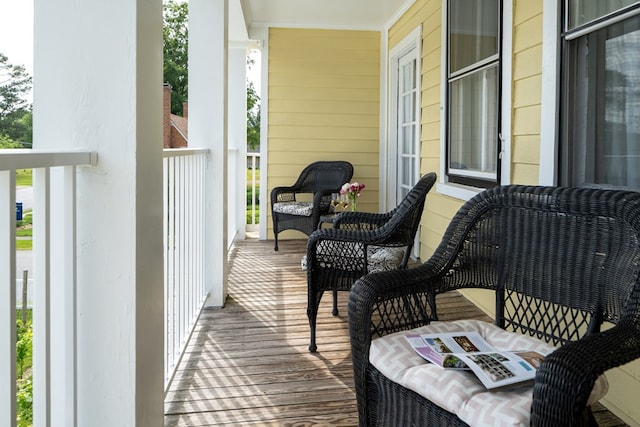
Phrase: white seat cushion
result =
(460, 392)
(379, 258)
(294, 208)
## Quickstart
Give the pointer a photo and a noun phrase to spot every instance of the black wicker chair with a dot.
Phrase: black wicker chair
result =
(319, 179)
(337, 256)
(560, 261)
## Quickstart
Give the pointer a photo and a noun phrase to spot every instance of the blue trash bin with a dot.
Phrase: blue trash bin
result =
(18, 211)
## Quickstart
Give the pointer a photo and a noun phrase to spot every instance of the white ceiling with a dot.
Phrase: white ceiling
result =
(352, 14)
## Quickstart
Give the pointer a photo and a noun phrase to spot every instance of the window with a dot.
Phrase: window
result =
(600, 98)
(473, 93)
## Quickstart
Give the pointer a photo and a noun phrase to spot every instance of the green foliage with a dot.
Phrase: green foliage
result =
(24, 346)
(25, 402)
(253, 117)
(15, 111)
(7, 142)
(253, 112)
(175, 49)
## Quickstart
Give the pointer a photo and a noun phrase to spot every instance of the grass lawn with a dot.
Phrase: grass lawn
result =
(24, 178)
(24, 229)
(249, 196)
(24, 245)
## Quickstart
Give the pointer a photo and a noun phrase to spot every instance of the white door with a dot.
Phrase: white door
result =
(404, 144)
(407, 172)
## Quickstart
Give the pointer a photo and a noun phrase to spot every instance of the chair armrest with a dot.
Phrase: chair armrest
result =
(361, 220)
(382, 303)
(566, 377)
(284, 194)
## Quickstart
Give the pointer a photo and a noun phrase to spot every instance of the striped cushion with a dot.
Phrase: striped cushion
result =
(294, 208)
(379, 258)
(460, 392)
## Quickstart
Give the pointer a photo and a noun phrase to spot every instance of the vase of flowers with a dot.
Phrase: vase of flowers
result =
(352, 191)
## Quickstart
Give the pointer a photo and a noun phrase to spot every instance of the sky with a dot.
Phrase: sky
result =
(16, 37)
(16, 32)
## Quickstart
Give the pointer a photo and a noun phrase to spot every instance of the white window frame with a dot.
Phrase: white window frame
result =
(549, 108)
(465, 192)
(552, 27)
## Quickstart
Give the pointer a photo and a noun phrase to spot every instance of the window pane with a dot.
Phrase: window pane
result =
(583, 11)
(473, 32)
(603, 133)
(407, 139)
(474, 122)
(408, 71)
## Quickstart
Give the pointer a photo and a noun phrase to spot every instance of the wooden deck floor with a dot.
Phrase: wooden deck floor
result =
(248, 363)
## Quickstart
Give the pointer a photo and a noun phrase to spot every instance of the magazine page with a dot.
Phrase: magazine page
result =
(444, 349)
(504, 369)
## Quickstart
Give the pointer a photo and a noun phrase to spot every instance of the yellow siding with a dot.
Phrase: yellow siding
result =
(324, 104)
(526, 89)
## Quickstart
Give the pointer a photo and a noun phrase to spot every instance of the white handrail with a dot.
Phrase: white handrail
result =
(55, 203)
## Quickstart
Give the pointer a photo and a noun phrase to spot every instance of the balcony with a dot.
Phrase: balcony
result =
(244, 364)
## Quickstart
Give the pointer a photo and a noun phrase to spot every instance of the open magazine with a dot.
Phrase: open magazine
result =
(469, 351)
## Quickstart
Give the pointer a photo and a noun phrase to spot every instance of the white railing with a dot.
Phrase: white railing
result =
(253, 164)
(54, 285)
(54, 250)
(184, 249)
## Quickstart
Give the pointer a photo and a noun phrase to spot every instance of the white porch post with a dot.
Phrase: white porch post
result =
(238, 138)
(98, 86)
(208, 39)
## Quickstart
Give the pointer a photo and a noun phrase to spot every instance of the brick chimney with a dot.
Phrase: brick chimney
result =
(166, 116)
(185, 109)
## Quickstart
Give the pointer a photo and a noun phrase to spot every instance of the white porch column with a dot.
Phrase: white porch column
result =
(98, 86)
(238, 139)
(208, 39)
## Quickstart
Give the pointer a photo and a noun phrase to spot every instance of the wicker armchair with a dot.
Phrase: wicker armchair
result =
(319, 179)
(356, 244)
(560, 261)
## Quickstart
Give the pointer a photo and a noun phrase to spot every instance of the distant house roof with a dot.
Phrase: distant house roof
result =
(179, 131)
(175, 128)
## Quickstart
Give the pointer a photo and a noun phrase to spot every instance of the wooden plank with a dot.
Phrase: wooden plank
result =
(248, 364)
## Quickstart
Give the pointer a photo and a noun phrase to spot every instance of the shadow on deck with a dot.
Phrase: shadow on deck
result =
(248, 364)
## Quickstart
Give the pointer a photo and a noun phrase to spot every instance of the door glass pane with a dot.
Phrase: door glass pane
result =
(474, 121)
(603, 132)
(583, 11)
(407, 113)
(473, 32)
(408, 77)
(407, 140)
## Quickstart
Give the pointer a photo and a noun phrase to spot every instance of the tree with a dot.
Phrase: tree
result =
(175, 49)
(15, 111)
(253, 112)
(176, 66)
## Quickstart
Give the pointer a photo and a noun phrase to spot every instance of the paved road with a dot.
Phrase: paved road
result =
(24, 195)
(24, 259)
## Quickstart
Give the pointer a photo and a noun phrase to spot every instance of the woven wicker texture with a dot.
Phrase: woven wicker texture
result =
(319, 179)
(337, 257)
(560, 261)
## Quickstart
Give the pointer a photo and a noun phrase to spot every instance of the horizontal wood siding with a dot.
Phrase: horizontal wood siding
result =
(526, 91)
(324, 104)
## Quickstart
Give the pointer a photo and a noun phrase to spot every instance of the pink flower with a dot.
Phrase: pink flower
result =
(352, 189)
